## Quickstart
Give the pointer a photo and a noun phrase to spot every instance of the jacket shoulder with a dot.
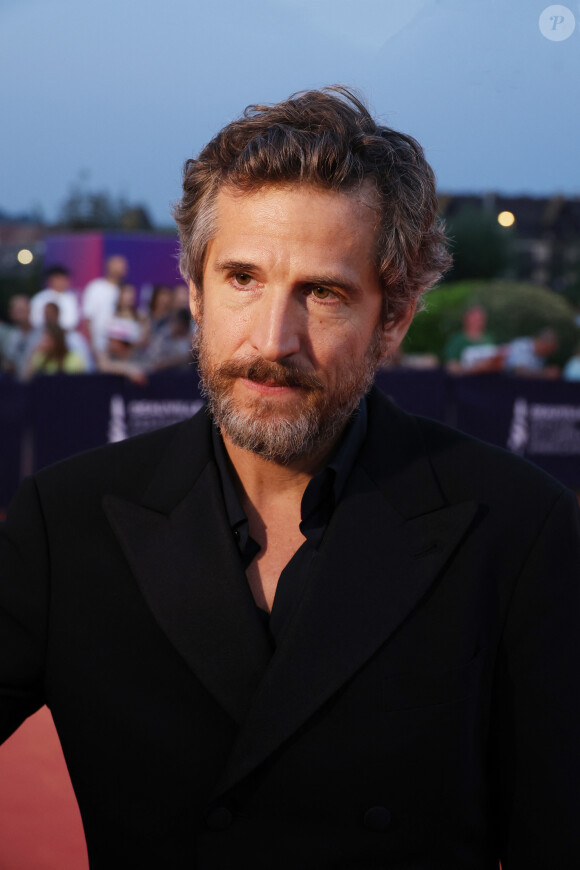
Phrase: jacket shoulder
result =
(464, 468)
(465, 465)
(126, 467)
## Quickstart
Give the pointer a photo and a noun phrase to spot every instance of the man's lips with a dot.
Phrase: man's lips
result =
(268, 387)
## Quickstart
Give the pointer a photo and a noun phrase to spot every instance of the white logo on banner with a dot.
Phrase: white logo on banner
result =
(117, 420)
(544, 429)
(143, 415)
(519, 429)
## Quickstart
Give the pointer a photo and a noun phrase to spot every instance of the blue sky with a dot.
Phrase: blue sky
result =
(128, 89)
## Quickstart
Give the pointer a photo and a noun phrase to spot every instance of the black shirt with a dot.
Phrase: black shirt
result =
(318, 503)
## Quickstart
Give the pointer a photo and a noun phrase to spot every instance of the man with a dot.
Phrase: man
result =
(58, 292)
(100, 301)
(21, 338)
(306, 630)
(527, 357)
(170, 347)
(120, 356)
(473, 350)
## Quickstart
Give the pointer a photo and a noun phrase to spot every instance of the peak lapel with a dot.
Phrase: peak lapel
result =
(373, 569)
(188, 569)
(391, 535)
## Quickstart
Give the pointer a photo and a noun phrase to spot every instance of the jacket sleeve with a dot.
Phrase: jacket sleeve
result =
(23, 609)
(536, 724)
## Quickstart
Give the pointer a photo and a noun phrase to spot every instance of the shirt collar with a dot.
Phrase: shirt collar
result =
(321, 495)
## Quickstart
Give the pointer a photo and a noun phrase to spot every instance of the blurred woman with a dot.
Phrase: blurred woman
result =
(52, 355)
(127, 303)
(160, 307)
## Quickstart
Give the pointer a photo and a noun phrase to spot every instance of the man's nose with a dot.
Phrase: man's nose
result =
(277, 321)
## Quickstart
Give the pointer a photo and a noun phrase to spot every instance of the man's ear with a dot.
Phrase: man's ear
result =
(395, 330)
(194, 301)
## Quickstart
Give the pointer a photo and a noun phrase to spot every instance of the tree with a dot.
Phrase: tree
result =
(481, 248)
(514, 309)
(85, 209)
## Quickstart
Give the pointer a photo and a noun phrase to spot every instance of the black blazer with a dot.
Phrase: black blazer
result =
(421, 710)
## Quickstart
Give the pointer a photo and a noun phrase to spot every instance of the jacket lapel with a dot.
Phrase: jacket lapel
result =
(381, 553)
(388, 540)
(181, 552)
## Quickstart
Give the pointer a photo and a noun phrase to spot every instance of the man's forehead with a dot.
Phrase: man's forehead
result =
(323, 222)
(364, 194)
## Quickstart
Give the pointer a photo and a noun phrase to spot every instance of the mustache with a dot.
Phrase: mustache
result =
(282, 374)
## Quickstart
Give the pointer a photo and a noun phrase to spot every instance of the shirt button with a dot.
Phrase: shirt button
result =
(219, 819)
(377, 819)
(236, 535)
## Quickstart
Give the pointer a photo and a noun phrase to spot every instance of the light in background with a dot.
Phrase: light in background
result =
(506, 219)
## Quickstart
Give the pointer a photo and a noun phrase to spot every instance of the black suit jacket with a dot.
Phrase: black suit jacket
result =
(421, 710)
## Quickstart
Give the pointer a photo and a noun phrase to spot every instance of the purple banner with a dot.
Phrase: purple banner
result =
(56, 416)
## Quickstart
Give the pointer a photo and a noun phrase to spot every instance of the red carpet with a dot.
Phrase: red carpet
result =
(40, 825)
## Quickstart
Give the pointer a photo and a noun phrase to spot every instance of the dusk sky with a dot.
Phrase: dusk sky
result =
(126, 90)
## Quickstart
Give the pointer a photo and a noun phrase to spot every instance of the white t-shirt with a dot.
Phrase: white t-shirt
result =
(99, 303)
(68, 308)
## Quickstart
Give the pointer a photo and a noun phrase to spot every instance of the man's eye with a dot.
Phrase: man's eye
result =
(321, 292)
(243, 279)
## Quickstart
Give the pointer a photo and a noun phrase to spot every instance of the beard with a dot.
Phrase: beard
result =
(310, 420)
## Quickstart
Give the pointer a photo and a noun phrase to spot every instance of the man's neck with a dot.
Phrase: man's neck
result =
(271, 496)
(263, 482)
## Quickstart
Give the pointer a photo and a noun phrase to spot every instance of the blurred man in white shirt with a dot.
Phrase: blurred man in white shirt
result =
(58, 291)
(100, 300)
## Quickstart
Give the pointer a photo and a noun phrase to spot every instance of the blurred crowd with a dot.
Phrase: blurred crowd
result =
(102, 329)
(474, 350)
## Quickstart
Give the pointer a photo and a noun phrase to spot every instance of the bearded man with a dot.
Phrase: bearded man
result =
(303, 630)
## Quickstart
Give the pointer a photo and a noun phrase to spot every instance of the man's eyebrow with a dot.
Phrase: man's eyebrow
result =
(325, 280)
(234, 266)
(333, 281)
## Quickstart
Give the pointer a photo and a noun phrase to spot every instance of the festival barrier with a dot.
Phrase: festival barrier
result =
(54, 417)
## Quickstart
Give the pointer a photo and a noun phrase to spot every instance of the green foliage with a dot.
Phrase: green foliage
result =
(514, 309)
(480, 247)
(571, 288)
(26, 284)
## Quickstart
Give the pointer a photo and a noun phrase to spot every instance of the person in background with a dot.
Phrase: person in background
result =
(100, 300)
(127, 303)
(76, 342)
(527, 356)
(53, 356)
(21, 338)
(57, 291)
(473, 350)
(127, 310)
(571, 371)
(160, 307)
(180, 297)
(171, 346)
(120, 355)
(5, 330)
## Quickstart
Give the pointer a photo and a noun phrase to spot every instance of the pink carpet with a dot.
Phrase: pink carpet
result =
(40, 824)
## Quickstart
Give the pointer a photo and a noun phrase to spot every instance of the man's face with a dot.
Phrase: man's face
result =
(58, 282)
(119, 349)
(475, 319)
(290, 317)
(117, 269)
(19, 310)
